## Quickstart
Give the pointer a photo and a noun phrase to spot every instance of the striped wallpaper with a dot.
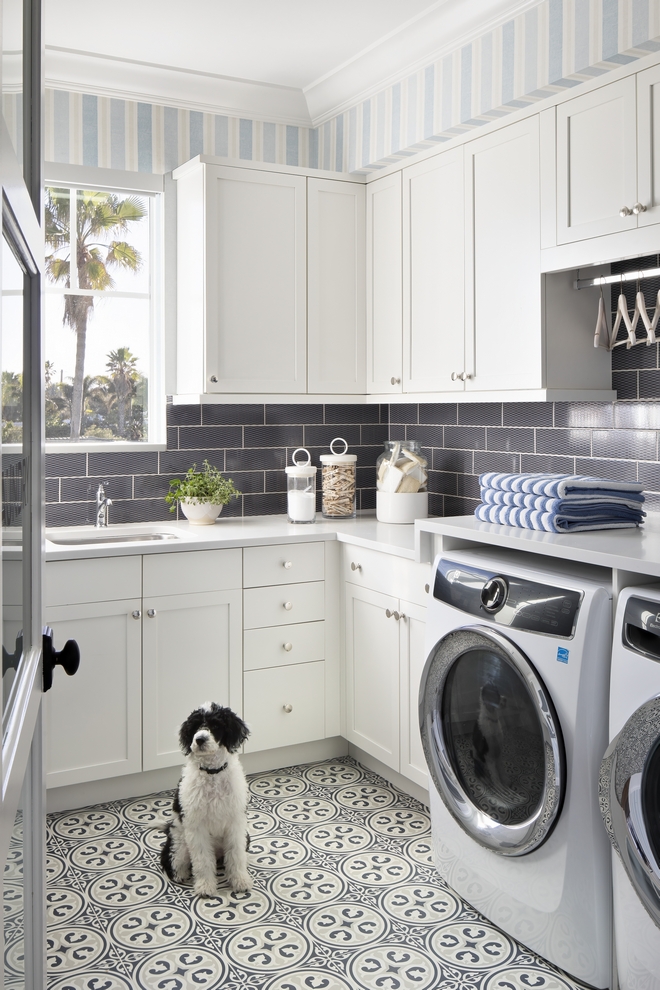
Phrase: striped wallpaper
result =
(555, 45)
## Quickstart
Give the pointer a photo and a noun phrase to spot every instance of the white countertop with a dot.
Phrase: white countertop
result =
(636, 550)
(365, 531)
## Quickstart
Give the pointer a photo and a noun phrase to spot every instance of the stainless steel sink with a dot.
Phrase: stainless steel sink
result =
(90, 538)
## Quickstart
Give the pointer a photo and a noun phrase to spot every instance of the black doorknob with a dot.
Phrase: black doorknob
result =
(68, 657)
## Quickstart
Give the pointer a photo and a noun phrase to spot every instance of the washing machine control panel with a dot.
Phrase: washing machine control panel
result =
(641, 627)
(507, 600)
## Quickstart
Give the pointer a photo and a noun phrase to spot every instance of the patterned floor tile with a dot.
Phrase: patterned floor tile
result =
(346, 897)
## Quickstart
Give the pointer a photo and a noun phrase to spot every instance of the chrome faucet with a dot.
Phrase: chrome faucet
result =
(103, 503)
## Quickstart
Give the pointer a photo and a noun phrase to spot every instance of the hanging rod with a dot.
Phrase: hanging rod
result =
(585, 283)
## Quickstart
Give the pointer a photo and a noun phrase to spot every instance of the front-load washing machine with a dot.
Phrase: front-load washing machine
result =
(630, 787)
(513, 713)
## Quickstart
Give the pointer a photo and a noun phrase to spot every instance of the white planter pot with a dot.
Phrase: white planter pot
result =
(401, 507)
(200, 513)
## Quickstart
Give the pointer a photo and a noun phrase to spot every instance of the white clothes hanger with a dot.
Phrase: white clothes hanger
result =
(651, 325)
(622, 316)
(603, 332)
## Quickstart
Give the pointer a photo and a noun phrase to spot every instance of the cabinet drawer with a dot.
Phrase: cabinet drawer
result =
(191, 571)
(284, 605)
(387, 573)
(100, 579)
(289, 563)
(267, 694)
(274, 647)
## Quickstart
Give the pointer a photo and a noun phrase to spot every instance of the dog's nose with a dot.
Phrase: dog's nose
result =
(201, 739)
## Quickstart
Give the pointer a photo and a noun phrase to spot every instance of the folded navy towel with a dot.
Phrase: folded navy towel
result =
(556, 485)
(571, 521)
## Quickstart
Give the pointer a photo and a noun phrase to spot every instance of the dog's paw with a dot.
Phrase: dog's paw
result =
(203, 888)
(240, 882)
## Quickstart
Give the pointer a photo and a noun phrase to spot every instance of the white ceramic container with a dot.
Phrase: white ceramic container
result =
(200, 513)
(401, 507)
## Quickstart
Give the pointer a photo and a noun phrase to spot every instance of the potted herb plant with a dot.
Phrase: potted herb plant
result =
(201, 494)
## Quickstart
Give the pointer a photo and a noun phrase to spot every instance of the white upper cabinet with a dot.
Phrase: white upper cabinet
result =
(648, 145)
(241, 280)
(504, 331)
(597, 163)
(434, 275)
(335, 286)
(384, 288)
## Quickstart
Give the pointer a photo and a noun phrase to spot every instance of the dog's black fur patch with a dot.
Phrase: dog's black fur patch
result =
(227, 728)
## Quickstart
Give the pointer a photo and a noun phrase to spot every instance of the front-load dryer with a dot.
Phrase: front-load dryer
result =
(513, 714)
(630, 787)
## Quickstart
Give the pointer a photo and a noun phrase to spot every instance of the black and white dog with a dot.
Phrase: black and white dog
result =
(210, 806)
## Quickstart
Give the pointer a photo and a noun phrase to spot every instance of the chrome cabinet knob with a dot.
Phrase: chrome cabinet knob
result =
(287, 646)
(454, 376)
(392, 615)
(402, 616)
(214, 379)
(288, 708)
(427, 588)
(625, 211)
(288, 606)
(388, 613)
(638, 208)
(136, 614)
(287, 565)
(464, 376)
(151, 612)
(355, 567)
(395, 381)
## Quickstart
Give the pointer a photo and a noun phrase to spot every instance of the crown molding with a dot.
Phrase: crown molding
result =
(148, 82)
(407, 50)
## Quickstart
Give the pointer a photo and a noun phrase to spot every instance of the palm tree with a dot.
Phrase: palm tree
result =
(98, 216)
(124, 376)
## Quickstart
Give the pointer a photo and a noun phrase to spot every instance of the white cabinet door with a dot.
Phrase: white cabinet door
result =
(433, 274)
(92, 720)
(372, 674)
(191, 654)
(255, 281)
(648, 145)
(335, 286)
(504, 341)
(384, 285)
(596, 162)
(413, 658)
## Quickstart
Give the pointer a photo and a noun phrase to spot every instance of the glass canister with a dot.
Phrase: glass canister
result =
(338, 482)
(401, 467)
(301, 489)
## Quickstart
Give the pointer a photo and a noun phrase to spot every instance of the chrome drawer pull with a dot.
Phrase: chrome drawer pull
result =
(288, 708)
(151, 612)
(356, 567)
(136, 614)
(287, 646)
(288, 606)
(287, 564)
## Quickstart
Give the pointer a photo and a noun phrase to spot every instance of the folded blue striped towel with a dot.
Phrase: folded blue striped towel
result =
(555, 485)
(559, 503)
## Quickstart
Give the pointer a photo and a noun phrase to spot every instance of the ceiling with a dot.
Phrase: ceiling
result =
(293, 61)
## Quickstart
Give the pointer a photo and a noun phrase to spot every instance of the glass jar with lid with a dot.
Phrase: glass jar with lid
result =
(338, 482)
(301, 488)
(401, 482)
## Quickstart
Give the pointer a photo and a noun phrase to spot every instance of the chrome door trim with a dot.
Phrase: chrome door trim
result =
(507, 840)
(620, 797)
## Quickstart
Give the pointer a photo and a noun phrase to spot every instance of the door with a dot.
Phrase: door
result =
(504, 342)
(384, 285)
(255, 281)
(596, 163)
(434, 275)
(335, 287)
(412, 629)
(192, 651)
(492, 740)
(109, 636)
(372, 673)
(648, 146)
(22, 805)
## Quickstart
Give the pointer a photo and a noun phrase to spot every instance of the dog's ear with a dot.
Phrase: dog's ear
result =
(228, 729)
(188, 730)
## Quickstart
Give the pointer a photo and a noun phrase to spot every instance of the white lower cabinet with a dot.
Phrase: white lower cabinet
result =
(284, 705)
(92, 720)
(191, 654)
(412, 630)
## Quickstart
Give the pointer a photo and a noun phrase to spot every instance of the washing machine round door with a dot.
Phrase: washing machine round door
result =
(630, 801)
(492, 740)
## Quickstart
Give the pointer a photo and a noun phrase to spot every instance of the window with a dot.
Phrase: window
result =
(102, 315)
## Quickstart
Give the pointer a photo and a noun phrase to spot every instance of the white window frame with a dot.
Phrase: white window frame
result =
(141, 183)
